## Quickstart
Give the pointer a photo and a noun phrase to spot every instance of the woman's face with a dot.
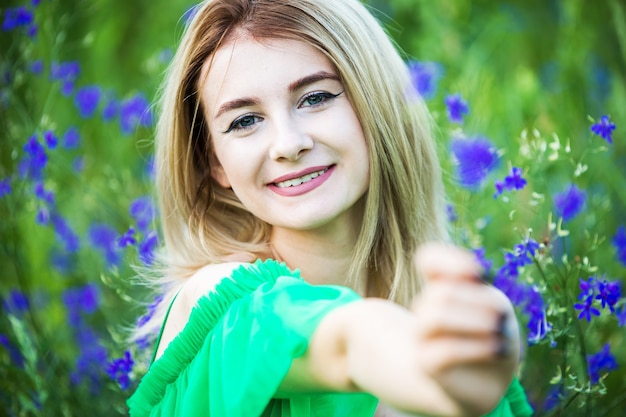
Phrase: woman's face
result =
(286, 138)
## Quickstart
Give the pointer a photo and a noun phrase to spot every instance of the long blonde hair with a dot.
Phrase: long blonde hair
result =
(203, 223)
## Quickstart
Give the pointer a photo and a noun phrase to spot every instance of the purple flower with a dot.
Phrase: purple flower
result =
(15, 354)
(65, 234)
(36, 67)
(119, 370)
(5, 186)
(17, 16)
(111, 109)
(66, 73)
(608, 293)
(16, 303)
(71, 138)
(103, 238)
(78, 164)
(42, 194)
(619, 241)
(35, 160)
(586, 309)
(127, 239)
(570, 202)
(425, 76)
(479, 253)
(81, 300)
(87, 99)
(601, 363)
(604, 128)
(134, 112)
(451, 214)
(620, 314)
(50, 139)
(150, 311)
(92, 360)
(143, 211)
(513, 181)
(476, 158)
(146, 248)
(457, 108)
(43, 216)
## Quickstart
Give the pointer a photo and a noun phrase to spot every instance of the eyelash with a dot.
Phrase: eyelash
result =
(325, 96)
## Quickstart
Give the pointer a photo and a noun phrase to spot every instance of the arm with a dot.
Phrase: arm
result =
(439, 358)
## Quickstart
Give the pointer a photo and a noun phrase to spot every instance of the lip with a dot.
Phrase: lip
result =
(304, 187)
(299, 174)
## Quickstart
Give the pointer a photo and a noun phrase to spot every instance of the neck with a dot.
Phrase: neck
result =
(323, 257)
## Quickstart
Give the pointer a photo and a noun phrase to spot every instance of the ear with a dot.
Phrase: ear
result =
(217, 172)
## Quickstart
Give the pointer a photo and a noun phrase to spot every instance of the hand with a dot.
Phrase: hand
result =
(468, 334)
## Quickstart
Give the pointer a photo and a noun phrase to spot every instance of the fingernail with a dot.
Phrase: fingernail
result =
(503, 327)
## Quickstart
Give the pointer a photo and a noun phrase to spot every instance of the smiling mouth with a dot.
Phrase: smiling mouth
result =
(301, 180)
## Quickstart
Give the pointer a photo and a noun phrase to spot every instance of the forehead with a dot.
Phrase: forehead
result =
(246, 66)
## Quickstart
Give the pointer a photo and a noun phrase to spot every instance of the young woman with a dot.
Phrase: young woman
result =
(299, 188)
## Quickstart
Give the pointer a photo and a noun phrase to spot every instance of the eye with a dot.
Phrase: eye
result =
(317, 98)
(243, 122)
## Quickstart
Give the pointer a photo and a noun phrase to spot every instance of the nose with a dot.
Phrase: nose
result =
(290, 141)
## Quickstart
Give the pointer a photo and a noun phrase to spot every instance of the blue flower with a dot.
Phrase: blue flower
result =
(127, 239)
(570, 202)
(513, 181)
(608, 293)
(65, 234)
(457, 108)
(92, 360)
(620, 314)
(619, 241)
(79, 301)
(78, 164)
(15, 303)
(451, 213)
(16, 17)
(146, 248)
(42, 194)
(150, 311)
(50, 139)
(134, 112)
(35, 160)
(111, 109)
(5, 186)
(119, 370)
(425, 76)
(66, 73)
(36, 67)
(485, 263)
(600, 363)
(143, 211)
(587, 309)
(476, 158)
(14, 353)
(71, 138)
(87, 99)
(103, 238)
(604, 128)
(43, 216)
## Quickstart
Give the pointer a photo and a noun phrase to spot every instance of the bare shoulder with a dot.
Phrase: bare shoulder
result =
(199, 284)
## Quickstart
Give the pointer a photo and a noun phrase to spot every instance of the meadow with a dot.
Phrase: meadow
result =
(529, 100)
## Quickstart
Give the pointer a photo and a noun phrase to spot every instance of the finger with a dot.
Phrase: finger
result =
(446, 353)
(437, 261)
(457, 320)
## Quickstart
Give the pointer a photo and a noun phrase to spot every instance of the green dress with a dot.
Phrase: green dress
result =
(238, 346)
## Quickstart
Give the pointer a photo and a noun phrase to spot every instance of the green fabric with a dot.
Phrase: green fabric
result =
(238, 346)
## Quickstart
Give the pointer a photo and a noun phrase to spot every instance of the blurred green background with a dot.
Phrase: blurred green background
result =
(522, 65)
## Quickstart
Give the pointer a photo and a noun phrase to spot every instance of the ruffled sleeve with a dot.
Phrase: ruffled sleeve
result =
(238, 345)
(514, 403)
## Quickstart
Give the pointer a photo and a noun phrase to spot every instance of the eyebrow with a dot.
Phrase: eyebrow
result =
(296, 85)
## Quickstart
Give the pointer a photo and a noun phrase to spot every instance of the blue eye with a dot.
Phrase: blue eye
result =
(244, 122)
(317, 98)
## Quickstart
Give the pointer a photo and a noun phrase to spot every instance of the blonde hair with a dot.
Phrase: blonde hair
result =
(204, 223)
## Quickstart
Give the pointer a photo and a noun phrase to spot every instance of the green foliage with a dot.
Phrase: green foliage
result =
(536, 75)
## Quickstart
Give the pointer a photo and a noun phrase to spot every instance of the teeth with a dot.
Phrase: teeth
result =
(301, 180)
